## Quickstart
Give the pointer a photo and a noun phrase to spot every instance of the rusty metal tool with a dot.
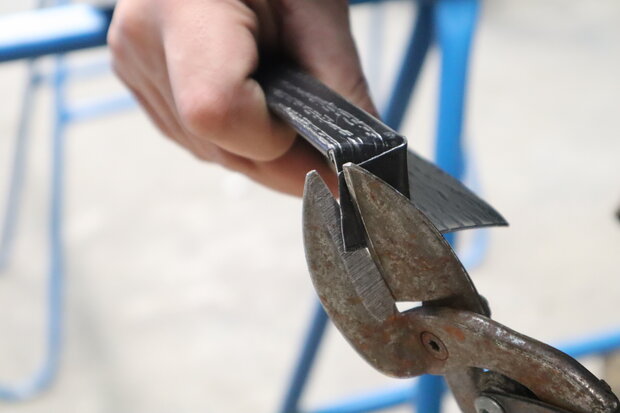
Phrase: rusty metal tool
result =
(383, 244)
(488, 367)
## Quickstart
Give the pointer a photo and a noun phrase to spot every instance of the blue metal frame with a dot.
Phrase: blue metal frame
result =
(54, 327)
(72, 27)
(420, 40)
(18, 170)
(68, 27)
(451, 23)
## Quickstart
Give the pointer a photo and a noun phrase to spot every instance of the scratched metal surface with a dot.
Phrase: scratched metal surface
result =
(448, 205)
(335, 127)
(345, 133)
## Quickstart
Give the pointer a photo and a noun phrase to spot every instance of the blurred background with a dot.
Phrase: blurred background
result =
(186, 285)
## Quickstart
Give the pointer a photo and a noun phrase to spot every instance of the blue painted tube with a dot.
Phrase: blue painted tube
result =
(597, 344)
(372, 401)
(88, 69)
(18, 169)
(429, 394)
(43, 377)
(415, 54)
(98, 107)
(59, 29)
(52, 30)
(56, 278)
(455, 21)
(301, 373)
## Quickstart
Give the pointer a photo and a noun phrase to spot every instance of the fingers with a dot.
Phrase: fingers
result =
(190, 63)
(210, 58)
(137, 59)
(286, 174)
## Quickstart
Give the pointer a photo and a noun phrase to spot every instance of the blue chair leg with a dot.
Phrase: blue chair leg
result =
(455, 21)
(18, 169)
(430, 391)
(420, 40)
(56, 279)
(305, 361)
(43, 377)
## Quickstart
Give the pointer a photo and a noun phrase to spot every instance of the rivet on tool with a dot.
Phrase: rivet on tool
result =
(484, 404)
(434, 346)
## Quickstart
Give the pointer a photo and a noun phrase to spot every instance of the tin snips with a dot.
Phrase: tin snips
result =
(383, 244)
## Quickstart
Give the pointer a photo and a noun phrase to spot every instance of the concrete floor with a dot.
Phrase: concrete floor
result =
(187, 289)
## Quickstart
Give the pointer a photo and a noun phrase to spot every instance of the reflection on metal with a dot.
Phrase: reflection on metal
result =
(46, 372)
(485, 404)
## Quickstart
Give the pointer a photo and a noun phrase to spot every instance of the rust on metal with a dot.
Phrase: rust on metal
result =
(415, 260)
(450, 334)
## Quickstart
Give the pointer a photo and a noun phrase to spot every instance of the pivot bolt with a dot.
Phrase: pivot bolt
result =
(434, 345)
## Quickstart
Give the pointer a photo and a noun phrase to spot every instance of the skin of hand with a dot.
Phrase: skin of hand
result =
(190, 62)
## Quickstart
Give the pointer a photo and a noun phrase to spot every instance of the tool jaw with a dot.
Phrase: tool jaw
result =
(363, 318)
(407, 259)
(417, 263)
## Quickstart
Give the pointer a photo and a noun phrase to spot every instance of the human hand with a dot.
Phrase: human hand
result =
(189, 63)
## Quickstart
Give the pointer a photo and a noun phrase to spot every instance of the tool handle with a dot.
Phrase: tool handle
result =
(341, 131)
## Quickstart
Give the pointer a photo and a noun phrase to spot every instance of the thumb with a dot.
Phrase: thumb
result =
(317, 35)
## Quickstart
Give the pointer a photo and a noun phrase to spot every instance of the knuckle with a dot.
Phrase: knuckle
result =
(205, 112)
(124, 29)
(115, 44)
